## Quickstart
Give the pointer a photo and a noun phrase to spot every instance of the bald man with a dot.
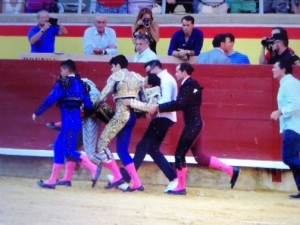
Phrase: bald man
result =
(100, 39)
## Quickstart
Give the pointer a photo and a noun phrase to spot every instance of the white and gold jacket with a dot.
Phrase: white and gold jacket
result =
(122, 84)
(151, 94)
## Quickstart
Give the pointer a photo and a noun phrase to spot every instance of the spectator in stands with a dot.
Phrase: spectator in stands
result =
(186, 42)
(234, 56)
(210, 6)
(145, 24)
(242, 6)
(295, 5)
(266, 50)
(143, 52)
(13, 6)
(135, 6)
(42, 36)
(216, 55)
(100, 39)
(288, 114)
(276, 6)
(34, 6)
(112, 6)
(277, 46)
(187, 4)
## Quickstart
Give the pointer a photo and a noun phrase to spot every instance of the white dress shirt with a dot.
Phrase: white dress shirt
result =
(168, 93)
(145, 56)
(92, 39)
(288, 99)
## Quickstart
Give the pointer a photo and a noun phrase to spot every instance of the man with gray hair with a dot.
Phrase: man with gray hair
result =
(143, 52)
(100, 39)
(42, 36)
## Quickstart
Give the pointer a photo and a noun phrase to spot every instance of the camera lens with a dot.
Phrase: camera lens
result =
(146, 22)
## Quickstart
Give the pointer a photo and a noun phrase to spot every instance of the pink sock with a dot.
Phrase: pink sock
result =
(113, 167)
(134, 176)
(55, 174)
(69, 171)
(58, 124)
(86, 163)
(217, 164)
(181, 175)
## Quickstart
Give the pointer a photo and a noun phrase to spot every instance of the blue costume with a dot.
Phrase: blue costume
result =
(70, 93)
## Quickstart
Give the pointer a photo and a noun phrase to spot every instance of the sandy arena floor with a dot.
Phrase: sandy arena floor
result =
(23, 203)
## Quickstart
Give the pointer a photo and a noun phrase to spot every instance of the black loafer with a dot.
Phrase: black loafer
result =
(41, 184)
(130, 189)
(114, 184)
(297, 196)
(64, 183)
(178, 192)
(236, 172)
(98, 172)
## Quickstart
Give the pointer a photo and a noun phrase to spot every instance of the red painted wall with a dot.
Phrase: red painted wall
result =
(237, 102)
(166, 31)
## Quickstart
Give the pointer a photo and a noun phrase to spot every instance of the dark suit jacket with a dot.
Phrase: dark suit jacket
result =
(188, 100)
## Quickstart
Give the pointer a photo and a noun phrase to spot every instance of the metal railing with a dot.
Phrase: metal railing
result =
(91, 4)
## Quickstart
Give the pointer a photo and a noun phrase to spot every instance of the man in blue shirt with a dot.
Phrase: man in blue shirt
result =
(186, 42)
(42, 36)
(234, 56)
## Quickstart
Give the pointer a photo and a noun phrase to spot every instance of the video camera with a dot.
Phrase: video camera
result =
(267, 43)
(53, 21)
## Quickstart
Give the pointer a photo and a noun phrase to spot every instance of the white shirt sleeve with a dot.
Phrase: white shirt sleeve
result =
(88, 45)
(291, 94)
(113, 42)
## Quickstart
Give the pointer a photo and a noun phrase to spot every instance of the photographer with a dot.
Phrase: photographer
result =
(42, 36)
(145, 24)
(276, 48)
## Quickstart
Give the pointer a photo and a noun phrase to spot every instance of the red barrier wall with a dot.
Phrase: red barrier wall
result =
(237, 102)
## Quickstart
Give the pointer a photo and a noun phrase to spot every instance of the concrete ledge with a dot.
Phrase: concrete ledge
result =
(265, 164)
(39, 167)
(201, 19)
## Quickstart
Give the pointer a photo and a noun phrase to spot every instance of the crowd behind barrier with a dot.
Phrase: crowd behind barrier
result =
(158, 7)
(185, 42)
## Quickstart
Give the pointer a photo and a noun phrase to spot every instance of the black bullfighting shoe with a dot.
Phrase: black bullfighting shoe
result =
(41, 184)
(114, 184)
(98, 172)
(53, 126)
(297, 196)
(130, 189)
(64, 183)
(235, 175)
(176, 192)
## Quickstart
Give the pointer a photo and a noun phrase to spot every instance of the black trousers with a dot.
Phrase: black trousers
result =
(150, 144)
(187, 4)
(187, 139)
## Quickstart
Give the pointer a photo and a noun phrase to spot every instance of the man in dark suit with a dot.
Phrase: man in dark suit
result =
(189, 100)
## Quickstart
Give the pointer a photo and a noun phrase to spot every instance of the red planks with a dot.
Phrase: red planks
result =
(237, 102)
